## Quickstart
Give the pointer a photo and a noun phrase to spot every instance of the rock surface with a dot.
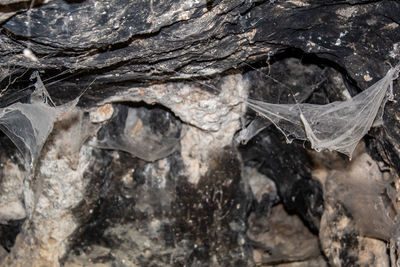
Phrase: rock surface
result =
(147, 170)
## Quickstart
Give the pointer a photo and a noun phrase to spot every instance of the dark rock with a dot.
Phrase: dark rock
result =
(185, 224)
(298, 191)
(162, 39)
(289, 165)
(150, 133)
(11, 193)
(8, 233)
(157, 212)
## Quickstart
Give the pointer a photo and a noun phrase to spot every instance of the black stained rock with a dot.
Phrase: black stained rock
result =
(8, 233)
(383, 143)
(11, 160)
(288, 165)
(149, 133)
(148, 214)
(120, 42)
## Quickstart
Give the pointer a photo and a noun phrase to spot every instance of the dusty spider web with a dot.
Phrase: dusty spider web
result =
(337, 126)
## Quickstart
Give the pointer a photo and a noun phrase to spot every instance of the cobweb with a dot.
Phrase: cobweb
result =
(337, 126)
(29, 124)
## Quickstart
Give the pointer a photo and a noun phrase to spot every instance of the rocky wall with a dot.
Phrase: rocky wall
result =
(146, 169)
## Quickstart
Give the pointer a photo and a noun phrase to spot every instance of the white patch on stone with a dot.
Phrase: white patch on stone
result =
(11, 207)
(298, 3)
(12, 210)
(347, 12)
(395, 52)
(339, 40)
(367, 77)
(101, 114)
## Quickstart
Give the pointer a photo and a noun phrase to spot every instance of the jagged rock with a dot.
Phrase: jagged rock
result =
(149, 133)
(201, 224)
(298, 191)
(168, 39)
(57, 188)
(284, 239)
(360, 210)
(197, 204)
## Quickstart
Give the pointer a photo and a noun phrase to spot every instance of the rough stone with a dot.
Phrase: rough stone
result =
(149, 133)
(209, 202)
(200, 224)
(359, 206)
(284, 239)
(212, 118)
(11, 206)
(56, 189)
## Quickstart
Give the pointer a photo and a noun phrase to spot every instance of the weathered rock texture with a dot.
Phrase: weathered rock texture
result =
(146, 170)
